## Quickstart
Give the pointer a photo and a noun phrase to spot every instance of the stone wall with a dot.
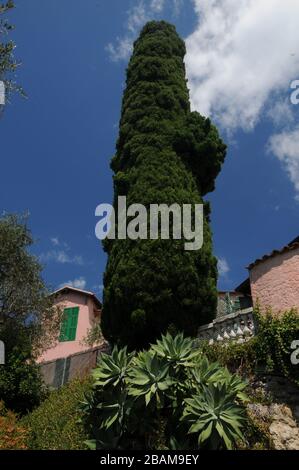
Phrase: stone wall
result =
(282, 414)
(238, 326)
(59, 372)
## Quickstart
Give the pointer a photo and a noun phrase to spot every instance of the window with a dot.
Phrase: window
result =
(69, 324)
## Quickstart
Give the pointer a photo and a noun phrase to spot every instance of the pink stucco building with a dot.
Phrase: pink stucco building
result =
(274, 279)
(82, 310)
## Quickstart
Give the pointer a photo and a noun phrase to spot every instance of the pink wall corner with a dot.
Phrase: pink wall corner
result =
(86, 317)
(275, 282)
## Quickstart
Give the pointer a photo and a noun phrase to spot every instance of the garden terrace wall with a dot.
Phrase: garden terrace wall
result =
(238, 326)
(60, 371)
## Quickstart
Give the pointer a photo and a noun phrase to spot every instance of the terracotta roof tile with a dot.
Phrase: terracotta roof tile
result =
(79, 291)
(291, 246)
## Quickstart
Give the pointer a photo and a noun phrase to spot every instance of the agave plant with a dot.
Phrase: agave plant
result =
(215, 417)
(235, 385)
(149, 377)
(96, 421)
(113, 408)
(178, 351)
(131, 393)
(205, 373)
(113, 368)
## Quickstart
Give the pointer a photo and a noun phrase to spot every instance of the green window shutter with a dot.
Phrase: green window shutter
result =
(73, 324)
(63, 327)
(69, 324)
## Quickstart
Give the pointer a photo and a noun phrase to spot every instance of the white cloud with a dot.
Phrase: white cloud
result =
(123, 46)
(240, 54)
(241, 60)
(79, 283)
(138, 15)
(285, 146)
(177, 6)
(60, 256)
(157, 5)
(223, 267)
(121, 49)
(281, 113)
(55, 241)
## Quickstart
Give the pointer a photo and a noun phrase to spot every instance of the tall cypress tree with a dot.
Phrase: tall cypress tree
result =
(165, 154)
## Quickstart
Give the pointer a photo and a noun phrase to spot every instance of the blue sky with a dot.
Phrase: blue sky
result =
(57, 144)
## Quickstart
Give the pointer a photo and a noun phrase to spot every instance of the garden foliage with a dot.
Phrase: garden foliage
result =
(268, 352)
(55, 424)
(13, 435)
(169, 397)
(29, 321)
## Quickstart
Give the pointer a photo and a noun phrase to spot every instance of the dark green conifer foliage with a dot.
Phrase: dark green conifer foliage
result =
(165, 154)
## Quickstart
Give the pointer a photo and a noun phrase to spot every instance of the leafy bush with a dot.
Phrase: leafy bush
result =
(55, 424)
(21, 384)
(29, 320)
(170, 394)
(237, 357)
(269, 351)
(12, 434)
(274, 339)
(256, 433)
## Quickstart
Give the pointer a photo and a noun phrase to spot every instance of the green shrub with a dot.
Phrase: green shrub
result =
(170, 396)
(269, 351)
(274, 339)
(256, 433)
(21, 383)
(241, 358)
(29, 320)
(55, 424)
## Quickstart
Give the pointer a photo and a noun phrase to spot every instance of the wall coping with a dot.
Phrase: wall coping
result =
(225, 318)
(79, 353)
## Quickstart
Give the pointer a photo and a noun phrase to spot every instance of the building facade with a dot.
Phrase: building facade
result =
(81, 311)
(232, 301)
(274, 279)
